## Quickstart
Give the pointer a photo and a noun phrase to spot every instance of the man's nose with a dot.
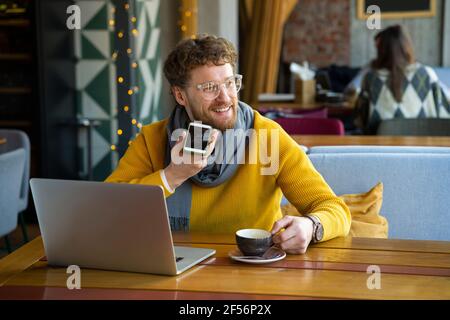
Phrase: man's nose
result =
(223, 94)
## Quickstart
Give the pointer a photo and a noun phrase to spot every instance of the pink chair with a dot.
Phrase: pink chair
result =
(312, 126)
(295, 113)
(310, 113)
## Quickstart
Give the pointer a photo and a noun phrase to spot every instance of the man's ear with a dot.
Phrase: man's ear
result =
(179, 95)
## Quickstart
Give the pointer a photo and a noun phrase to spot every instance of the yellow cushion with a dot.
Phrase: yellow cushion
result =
(365, 210)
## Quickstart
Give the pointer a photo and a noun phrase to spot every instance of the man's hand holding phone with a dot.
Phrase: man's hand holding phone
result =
(193, 152)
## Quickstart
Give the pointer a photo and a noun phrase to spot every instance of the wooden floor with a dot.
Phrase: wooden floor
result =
(16, 238)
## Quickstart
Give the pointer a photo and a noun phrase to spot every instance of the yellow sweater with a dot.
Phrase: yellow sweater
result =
(249, 199)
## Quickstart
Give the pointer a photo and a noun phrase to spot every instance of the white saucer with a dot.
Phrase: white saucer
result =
(236, 253)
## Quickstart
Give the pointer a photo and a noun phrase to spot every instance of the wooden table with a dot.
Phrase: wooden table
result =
(331, 140)
(333, 269)
(334, 109)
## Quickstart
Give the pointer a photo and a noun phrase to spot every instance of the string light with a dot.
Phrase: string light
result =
(134, 65)
(188, 18)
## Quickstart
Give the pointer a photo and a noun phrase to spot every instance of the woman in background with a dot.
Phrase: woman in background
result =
(396, 86)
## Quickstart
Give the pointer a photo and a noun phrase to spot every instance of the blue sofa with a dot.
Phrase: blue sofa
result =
(416, 197)
(444, 78)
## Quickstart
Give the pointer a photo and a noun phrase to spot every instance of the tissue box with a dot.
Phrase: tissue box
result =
(305, 92)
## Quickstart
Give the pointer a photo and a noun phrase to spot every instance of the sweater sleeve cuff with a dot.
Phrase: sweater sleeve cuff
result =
(155, 178)
(333, 225)
(165, 182)
(327, 224)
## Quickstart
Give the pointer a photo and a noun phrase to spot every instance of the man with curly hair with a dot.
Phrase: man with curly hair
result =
(224, 197)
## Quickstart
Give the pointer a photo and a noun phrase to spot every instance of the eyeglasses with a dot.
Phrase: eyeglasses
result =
(211, 90)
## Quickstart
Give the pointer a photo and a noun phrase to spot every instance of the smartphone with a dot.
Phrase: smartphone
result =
(197, 138)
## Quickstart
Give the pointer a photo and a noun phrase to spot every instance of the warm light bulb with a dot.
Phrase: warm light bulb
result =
(139, 125)
(129, 51)
(133, 121)
(120, 34)
(133, 19)
(127, 6)
(130, 92)
(111, 22)
(135, 32)
(126, 108)
(134, 65)
(188, 13)
(119, 132)
(120, 79)
(183, 28)
(113, 147)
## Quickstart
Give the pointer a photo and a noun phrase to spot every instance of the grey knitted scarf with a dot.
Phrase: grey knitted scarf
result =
(222, 164)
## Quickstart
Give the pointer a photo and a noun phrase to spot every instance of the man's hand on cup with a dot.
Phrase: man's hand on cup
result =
(296, 236)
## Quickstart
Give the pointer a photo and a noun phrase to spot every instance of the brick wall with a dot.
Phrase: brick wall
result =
(318, 31)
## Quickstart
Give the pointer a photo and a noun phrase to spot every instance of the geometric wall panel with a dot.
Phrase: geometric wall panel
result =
(149, 61)
(96, 75)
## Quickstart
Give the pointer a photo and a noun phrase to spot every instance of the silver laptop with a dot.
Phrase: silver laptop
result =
(111, 226)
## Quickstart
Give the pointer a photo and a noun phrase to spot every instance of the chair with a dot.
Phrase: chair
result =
(377, 149)
(415, 127)
(11, 174)
(443, 75)
(296, 113)
(312, 126)
(16, 139)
